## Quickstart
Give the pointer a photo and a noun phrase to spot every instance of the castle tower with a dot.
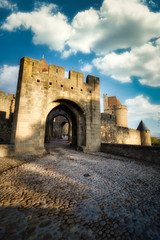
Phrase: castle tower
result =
(145, 134)
(113, 106)
(43, 90)
(45, 67)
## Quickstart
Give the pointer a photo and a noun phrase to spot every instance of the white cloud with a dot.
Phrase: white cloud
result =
(84, 31)
(158, 42)
(8, 78)
(67, 53)
(49, 26)
(118, 24)
(7, 5)
(139, 108)
(142, 62)
(87, 68)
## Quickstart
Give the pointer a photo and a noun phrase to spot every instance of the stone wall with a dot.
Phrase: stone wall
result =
(111, 133)
(143, 153)
(7, 105)
(145, 138)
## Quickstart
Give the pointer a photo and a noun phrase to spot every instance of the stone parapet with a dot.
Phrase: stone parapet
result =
(141, 153)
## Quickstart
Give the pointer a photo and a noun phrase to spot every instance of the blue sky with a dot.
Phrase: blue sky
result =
(116, 40)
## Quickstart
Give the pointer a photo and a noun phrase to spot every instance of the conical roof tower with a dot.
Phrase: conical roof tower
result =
(44, 65)
(144, 134)
(142, 126)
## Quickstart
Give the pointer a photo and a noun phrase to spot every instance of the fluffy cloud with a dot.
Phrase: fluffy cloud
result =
(7, 5)
(118, 24)
(142, 62)
(84, 31)
(140, 108)
(49, 26)
(8, 78)
(87, 68)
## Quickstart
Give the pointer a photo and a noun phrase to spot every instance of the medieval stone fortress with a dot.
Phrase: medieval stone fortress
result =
(47, 104)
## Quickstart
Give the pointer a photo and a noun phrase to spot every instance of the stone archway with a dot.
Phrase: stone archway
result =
(54, 124)
(76, 119)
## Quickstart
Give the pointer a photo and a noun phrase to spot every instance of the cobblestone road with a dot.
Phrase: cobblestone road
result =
(73, 195)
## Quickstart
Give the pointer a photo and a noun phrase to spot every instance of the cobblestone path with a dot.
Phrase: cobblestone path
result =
(73, 195)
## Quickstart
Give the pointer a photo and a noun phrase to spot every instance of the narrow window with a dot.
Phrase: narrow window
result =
(38, 80)
(61, 85)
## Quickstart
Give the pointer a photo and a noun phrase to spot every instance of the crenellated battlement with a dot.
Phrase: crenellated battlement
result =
(6, 96)
(76, 75)
(40, 73)
(56, 71)
(7, 104)
(91, 80)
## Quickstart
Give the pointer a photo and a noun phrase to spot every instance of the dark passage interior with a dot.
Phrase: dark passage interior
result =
(66, 123)
(61, 127)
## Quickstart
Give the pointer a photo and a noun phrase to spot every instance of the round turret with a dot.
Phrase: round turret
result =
(121, 116)
(145, 134)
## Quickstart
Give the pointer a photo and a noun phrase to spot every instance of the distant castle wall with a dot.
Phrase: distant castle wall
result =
(114, 125)
(113, 106)
(111, 133)
(145, 138)
(7, 105)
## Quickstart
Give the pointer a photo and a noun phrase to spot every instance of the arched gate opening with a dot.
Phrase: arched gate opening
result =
(67, 122)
